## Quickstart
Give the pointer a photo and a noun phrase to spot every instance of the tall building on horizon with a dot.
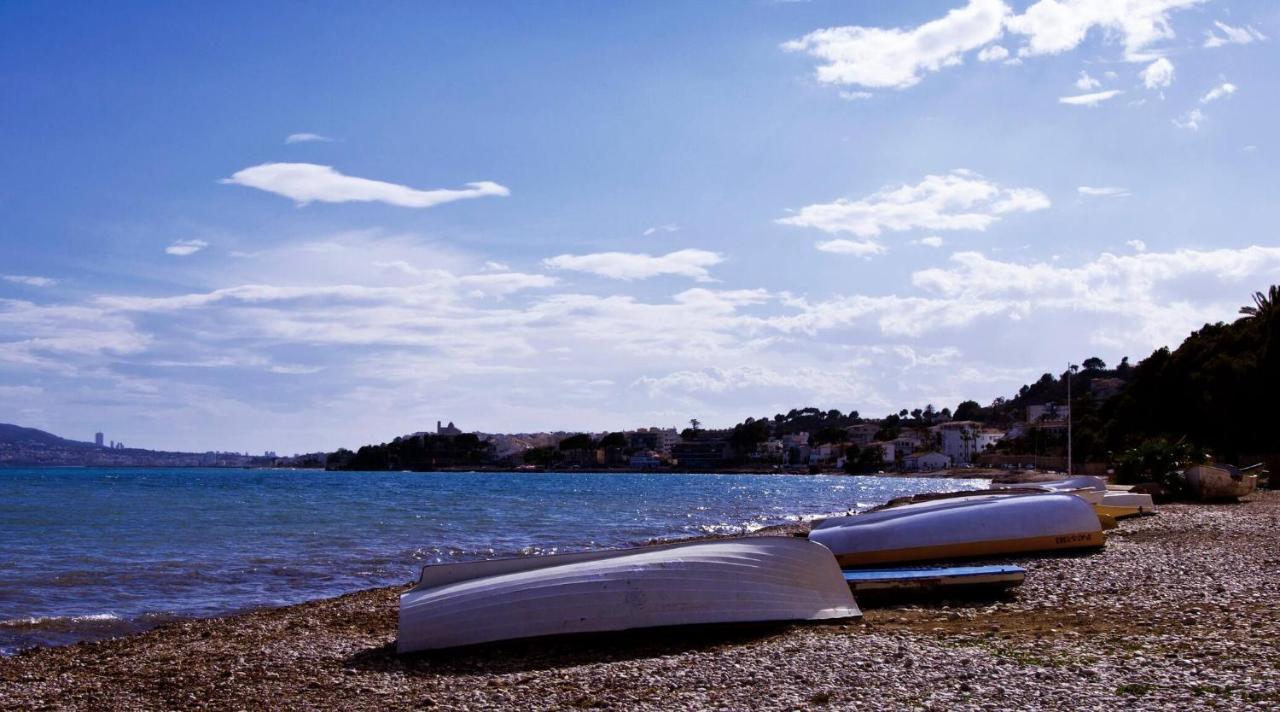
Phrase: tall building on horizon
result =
(97, 439)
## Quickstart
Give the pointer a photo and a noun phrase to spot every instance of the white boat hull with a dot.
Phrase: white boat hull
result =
(1132, 503)
(984, 525)
(1090, 489)
(752, 579)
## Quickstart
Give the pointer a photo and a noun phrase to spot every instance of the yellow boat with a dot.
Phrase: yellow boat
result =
(1122, 505)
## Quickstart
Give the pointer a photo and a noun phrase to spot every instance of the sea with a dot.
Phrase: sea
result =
(91, 553)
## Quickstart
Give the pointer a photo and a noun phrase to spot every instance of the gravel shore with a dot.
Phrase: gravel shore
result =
(1178, 612)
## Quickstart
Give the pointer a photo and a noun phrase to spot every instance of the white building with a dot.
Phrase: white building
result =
(964, 440)
(862, 434)
(926, 461)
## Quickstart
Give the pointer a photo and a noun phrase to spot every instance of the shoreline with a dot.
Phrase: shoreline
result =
(1177, 610)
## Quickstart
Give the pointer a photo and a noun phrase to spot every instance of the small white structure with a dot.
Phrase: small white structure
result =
(926, 461)
(750, 579)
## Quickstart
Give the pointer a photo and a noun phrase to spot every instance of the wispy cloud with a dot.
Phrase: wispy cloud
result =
(307, 138)
(1086, 82)
(1090, 99)
(1191, 120)
(960, 200)
(993, 53)
(307, 182)
(857, 248)
(1231, 35)
(670, 227)
(29, 280)
(1103, 191)
(184, 248)
(1223, 90)
(631, 266)
(1158, 74)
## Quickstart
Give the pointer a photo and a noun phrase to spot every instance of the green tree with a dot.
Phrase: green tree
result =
(614, 440)
(581, 441)
(968, 410)
(830, 435)
(1264, 305)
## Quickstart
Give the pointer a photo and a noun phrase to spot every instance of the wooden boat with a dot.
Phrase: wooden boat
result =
(751, 579)
(987, 525)
(947, 580)
(1216, 483)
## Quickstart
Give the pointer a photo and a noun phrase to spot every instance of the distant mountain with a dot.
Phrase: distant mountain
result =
(17, 435)
(29, 447)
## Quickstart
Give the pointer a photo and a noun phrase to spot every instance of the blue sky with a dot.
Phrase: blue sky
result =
(299, 226)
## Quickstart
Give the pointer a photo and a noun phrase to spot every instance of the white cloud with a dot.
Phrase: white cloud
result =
(1090, 99)
(1103, 191)
(183, 248)
(1224, 89)
(960, 200)
(1149, 297)
(29, 280)
(1231, 35)
(307, 138)
(1158, 74)
(671, 227)
(1086, 82)
(857, 248)
(630, 265)
(1055, 26)
(1137, 245)
(931, 241)
(1190, 120)
(855, 95)
(993, 53)
(307, 182)
(898, 58)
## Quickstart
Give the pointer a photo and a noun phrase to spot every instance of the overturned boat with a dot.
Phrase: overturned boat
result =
(1122, 505)
(936, 581)
(976, 526)
(1217, 483)
(752, 579)
(1090, 489)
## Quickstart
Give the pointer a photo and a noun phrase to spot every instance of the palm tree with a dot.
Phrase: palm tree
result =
(1265, 304)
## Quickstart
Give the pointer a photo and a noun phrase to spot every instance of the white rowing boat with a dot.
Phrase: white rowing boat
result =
(983, 525)
(1125, 504)
(752, 579)
(1090, 489)
(939, 581)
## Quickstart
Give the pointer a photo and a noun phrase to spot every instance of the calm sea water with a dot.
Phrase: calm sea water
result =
(91, 553)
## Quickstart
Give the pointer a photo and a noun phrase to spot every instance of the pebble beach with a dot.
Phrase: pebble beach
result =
(1177, 612)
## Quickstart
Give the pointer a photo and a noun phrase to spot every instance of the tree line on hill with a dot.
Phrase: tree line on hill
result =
(1215, 396)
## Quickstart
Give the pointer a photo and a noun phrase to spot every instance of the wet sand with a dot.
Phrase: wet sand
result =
(1179, 611)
